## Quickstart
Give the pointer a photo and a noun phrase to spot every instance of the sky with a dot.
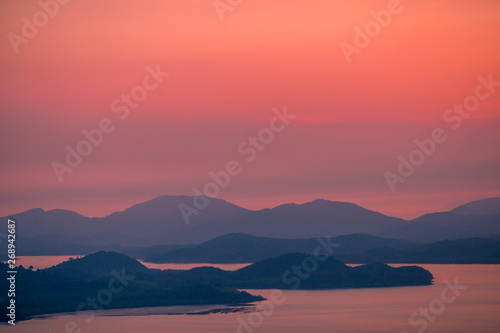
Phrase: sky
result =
(360, 81)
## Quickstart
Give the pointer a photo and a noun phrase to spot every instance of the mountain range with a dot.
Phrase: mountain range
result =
(159, 222)
(242, 248)
(353, 248)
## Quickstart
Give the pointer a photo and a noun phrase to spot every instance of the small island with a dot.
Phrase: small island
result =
(109, 280)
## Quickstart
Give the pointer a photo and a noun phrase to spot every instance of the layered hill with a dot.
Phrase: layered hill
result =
(243, 248)
(160, 222)
(355, 248)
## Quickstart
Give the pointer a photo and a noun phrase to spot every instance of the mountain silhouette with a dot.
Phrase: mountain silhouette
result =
(160, 222)
(490, 206)
(243, 248)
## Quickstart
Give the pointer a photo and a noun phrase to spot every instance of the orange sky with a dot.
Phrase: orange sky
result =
(353, 119)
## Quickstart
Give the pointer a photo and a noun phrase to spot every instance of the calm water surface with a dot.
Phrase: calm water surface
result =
(226, 267)
(476, 309)
(39, 262)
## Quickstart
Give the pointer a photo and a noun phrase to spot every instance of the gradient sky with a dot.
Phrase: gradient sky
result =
(225, 77)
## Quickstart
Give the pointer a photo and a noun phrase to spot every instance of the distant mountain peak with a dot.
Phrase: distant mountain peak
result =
(330, 203)
(63, 212)
(488, 206)
(35, 210)
(319, 204)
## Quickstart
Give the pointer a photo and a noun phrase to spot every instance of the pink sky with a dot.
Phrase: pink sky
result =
(225, 77)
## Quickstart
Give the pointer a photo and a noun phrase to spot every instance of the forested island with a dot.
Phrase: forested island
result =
(109, 280)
